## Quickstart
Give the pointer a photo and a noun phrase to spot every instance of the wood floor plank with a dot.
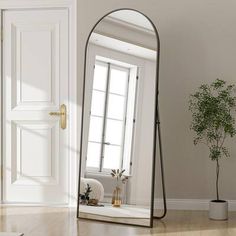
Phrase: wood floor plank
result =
(61, 221)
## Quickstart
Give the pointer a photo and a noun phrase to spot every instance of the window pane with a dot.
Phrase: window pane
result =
(93, 155)
(118, 81)
(116, 105)
(95, 129)
(112, 157)
(100, 77)
(98, 103)
(114, 131)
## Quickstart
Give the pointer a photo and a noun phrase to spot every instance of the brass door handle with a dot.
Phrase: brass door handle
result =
(62, 114)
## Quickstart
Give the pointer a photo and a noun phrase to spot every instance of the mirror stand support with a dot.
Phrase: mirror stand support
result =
(162, 169)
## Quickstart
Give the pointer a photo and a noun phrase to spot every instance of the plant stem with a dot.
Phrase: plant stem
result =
(217, 179)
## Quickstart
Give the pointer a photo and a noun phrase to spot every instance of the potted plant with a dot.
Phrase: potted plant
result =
(212, 108)
(84, 198)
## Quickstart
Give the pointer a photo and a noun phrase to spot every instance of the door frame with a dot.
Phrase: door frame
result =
(71, 6)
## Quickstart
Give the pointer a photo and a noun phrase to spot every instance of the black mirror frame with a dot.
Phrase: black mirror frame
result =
(157, 129)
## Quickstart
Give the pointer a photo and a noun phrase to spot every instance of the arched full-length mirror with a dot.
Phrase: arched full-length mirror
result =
(119, 120)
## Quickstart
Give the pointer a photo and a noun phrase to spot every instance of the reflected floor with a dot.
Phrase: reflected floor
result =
(125, 211)
(128, 214)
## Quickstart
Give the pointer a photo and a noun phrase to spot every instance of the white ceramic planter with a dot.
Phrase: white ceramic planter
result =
(218, 210)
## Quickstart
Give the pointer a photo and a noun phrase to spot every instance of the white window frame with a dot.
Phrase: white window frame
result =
(132, 61)
(111, 66)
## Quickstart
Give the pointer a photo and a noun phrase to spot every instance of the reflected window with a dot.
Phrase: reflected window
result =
(111, 117)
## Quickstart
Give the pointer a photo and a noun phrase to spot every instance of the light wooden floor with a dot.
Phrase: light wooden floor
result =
(52, 221)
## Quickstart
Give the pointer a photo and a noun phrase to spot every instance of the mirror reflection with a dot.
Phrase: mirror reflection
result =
(118, 125)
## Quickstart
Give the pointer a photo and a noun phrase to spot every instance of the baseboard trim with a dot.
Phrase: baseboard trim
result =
(189, 204)
(37, 205)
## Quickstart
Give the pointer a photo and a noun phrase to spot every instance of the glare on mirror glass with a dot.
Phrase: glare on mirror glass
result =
(116, 171)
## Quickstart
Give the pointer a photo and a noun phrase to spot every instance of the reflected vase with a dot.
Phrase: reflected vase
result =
(116, 197)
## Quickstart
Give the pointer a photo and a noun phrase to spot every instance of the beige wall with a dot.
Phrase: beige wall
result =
(198, 40)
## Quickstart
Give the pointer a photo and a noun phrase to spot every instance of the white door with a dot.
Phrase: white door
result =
(35, 83)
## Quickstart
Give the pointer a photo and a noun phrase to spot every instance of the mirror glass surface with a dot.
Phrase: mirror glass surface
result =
(118, 120)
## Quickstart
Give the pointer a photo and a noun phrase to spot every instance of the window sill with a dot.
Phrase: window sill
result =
(101, 174)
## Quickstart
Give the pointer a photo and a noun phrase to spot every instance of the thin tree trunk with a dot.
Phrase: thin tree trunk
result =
(217, 179)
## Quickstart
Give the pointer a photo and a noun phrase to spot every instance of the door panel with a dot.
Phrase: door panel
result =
(35, 74)
(36, 45)
(42, 169)
(41, 90)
